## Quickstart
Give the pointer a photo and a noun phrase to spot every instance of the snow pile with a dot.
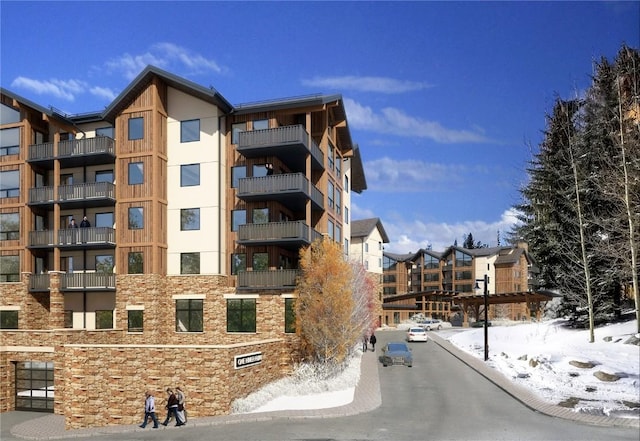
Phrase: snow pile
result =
(559, 363)
(308, 387)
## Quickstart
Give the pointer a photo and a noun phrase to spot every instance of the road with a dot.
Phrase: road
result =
(439, 398)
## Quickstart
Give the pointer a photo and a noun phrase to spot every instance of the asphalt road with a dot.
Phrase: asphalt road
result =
(439, 398)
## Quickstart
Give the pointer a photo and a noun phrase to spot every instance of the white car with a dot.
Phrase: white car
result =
(434, 324)
(416, 333)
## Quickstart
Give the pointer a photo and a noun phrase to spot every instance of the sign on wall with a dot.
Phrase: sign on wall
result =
(246, 360)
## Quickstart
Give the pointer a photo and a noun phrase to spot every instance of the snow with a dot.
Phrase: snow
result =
(512, 347)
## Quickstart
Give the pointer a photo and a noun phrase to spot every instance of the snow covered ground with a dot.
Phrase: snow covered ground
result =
(534, 355)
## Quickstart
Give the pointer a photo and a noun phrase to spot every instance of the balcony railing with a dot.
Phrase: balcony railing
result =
(86, 236)
(290, 188)
(86, 146)
(297, 230)
(41, 238)
(84, 281)
(41, 195)
(285, 278)
(92, 190)
(41, 151)
(251, 141)
(39, 282)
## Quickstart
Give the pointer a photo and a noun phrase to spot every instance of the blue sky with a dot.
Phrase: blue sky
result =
(447, 100)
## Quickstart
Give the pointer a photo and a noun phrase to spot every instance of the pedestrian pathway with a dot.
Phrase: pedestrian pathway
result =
(366, 398)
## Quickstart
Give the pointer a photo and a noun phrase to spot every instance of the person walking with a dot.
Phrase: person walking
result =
(181, 412)
(172, 408)
(373, 341)
(365, 343)
(149, 410)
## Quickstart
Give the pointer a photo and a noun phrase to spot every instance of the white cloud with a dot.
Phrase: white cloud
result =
(166, 56)
(408, 236)
(65, 89)
(411, 175)
(393, 121)
(103, 92)
(366, 84)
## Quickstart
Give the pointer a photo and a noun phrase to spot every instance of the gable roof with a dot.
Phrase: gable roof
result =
(142, 80)
(364, 227)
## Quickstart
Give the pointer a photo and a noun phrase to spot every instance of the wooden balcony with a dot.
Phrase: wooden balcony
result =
(94, 237)
(88, 281)
(292, 190)
(74, 152)
(92, 194)
(273, 279)
(285, 234)
(39, 283)
(291, 144)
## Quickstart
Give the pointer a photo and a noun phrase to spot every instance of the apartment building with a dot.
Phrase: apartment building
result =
(449, 285)
(184, 274)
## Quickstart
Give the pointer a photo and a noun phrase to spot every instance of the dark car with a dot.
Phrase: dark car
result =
(396, 353)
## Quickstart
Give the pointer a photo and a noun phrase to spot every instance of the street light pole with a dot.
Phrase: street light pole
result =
(486, 317)
(486, 314)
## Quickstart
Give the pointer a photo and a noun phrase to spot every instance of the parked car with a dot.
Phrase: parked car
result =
(433, 324)
(416, 333)
(479, 324)
(396, 353)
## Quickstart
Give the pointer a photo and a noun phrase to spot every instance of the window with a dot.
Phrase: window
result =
(330, 232)
(330, 154)
(104, 176)
(68, 318)
(10, 141)
(189, 219)
(366, 247)
(260, 215)
(346, 215)
(431, 277)
(338, 235)
(189, 263)
(104, 220)
(9, 268)
(9, 115)
(136, 218)
(105, 131)
(190, 130)
(241, 315)
(346, 246)
(259, 170)
(346, 184)
(379, 246)
(338, 203)
(104, 264)
(189, 175)
(261, 124)
(238, 217)
(189, 315)
(235, 132)
(8, 319)
(135, 320)
(289, 316)
(338, 165)
(136, 128)
(9, 184)
(463, 259)
(9, 226)
(104, 319)
(463, 275)
(238, 173)
(330, 194)
(136, 173)
(260, 261)
(135, 262)
(238, 263)
(431, 262)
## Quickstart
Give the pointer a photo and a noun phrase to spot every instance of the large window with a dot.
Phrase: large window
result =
(235, 131)
(289, 316)
(330, 154)
(260, 261)
(9, 268)
(9, 115)
(136, 173)
(135, 320)
(104, 264)
(136, 218)
(136, 128)
(189, 263)
(330, 192)
(9, 184)
(104, 220)
(190, 130)
(104, 176)
(189, 315)
(237, 173)
(431, 262)
(330, 230)
(260, 170)
(238, 263)
(8, 319)
(241, 315)
(104, 319)
(105, 131)
(338, 203)
(238, 217)
(260, 215)
(189, 175)
(260, 124)
(9, 226)
(463, 259)
(9, 141)
(189, 219)
(135, 262)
